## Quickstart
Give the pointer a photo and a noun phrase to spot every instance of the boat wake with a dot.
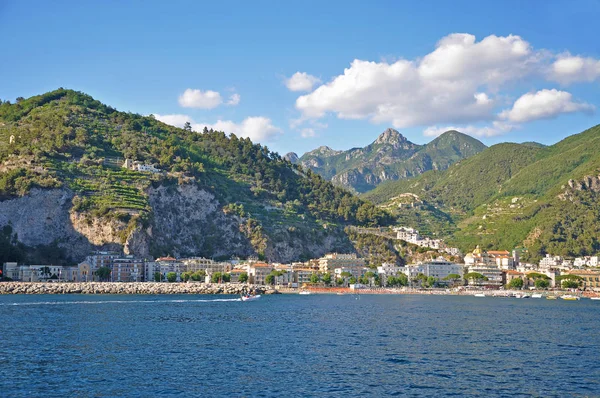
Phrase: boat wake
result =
(117, 302)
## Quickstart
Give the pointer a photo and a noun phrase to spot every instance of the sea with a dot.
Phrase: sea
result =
(298, 346)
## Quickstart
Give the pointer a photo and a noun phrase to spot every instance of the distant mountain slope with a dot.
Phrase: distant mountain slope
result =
(63, 190)
(543, 198)
(390, 157)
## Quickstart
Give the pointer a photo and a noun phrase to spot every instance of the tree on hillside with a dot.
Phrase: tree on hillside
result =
(187, 126)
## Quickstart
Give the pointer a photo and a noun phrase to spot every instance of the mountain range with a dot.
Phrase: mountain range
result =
(390, 157)
(542, 198)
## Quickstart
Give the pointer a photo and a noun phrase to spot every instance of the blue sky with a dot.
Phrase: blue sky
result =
(500, 71)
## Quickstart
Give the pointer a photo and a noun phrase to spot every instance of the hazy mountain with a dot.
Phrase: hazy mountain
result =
(390, 157)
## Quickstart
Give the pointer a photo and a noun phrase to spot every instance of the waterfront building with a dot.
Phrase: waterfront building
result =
(353, 271)
(331, 261)
(412, 270)
(127, 269)
(493, 274)
(195, 264)
(591, 278)
(441, 268)
(88, 267)
(10, 270)
(257, 272)
(511, 274)
(386, 270)
(303, 275)
(235, 274)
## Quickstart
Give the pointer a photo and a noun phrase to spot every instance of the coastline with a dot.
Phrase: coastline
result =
(162, 288)
(130, 288)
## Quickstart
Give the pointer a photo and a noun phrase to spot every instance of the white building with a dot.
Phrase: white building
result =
(441, 268)
(331, 261)
(491, 272)
(551, 261)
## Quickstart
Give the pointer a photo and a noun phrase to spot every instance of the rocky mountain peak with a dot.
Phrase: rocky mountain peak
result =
(390, 136)
(291, 157)
(323, 151)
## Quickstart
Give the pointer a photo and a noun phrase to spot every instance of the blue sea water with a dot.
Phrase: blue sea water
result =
(291, 345)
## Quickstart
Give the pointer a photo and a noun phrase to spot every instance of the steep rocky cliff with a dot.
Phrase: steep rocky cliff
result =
(77, 175)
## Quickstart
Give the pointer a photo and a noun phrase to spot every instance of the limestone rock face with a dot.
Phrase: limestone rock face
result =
(189, 221)
(42, 217)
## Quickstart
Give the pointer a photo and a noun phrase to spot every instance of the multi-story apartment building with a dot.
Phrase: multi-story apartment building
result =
(127, 269)
(331, 261)
(441, 268)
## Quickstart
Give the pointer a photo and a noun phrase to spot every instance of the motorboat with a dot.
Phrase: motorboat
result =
(304, 292)
(536, 295)
(479, 295)
(250, 298)
(569, 297)
(551, 297)
(594, 298)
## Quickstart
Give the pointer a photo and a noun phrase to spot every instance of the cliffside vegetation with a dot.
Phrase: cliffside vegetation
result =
(544, 199)
(67, 139)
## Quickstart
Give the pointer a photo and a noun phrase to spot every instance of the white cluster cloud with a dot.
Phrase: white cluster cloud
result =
(194, 98)
(460, 82)
(544, 104)
(257, 128)
(447, 85)
(176, 120)
(234, 99)
(570, 69)
(301, 81)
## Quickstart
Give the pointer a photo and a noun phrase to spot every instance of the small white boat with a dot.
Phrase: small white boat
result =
(479, 295)
(250, 298)
(536, 295)
(594, 298)
(304, 292)
(569, 297)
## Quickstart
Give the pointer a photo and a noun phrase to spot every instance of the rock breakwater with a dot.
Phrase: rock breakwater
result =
(130, 288)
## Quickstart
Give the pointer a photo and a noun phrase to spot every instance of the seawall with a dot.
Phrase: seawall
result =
(129, 288)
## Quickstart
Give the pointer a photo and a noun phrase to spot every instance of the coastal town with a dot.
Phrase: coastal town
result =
(477, 270)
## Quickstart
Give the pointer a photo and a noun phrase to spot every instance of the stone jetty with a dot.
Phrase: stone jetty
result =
(130, 288)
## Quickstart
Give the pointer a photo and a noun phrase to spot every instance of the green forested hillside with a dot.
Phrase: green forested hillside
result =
(514, 195)
(67, 139)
